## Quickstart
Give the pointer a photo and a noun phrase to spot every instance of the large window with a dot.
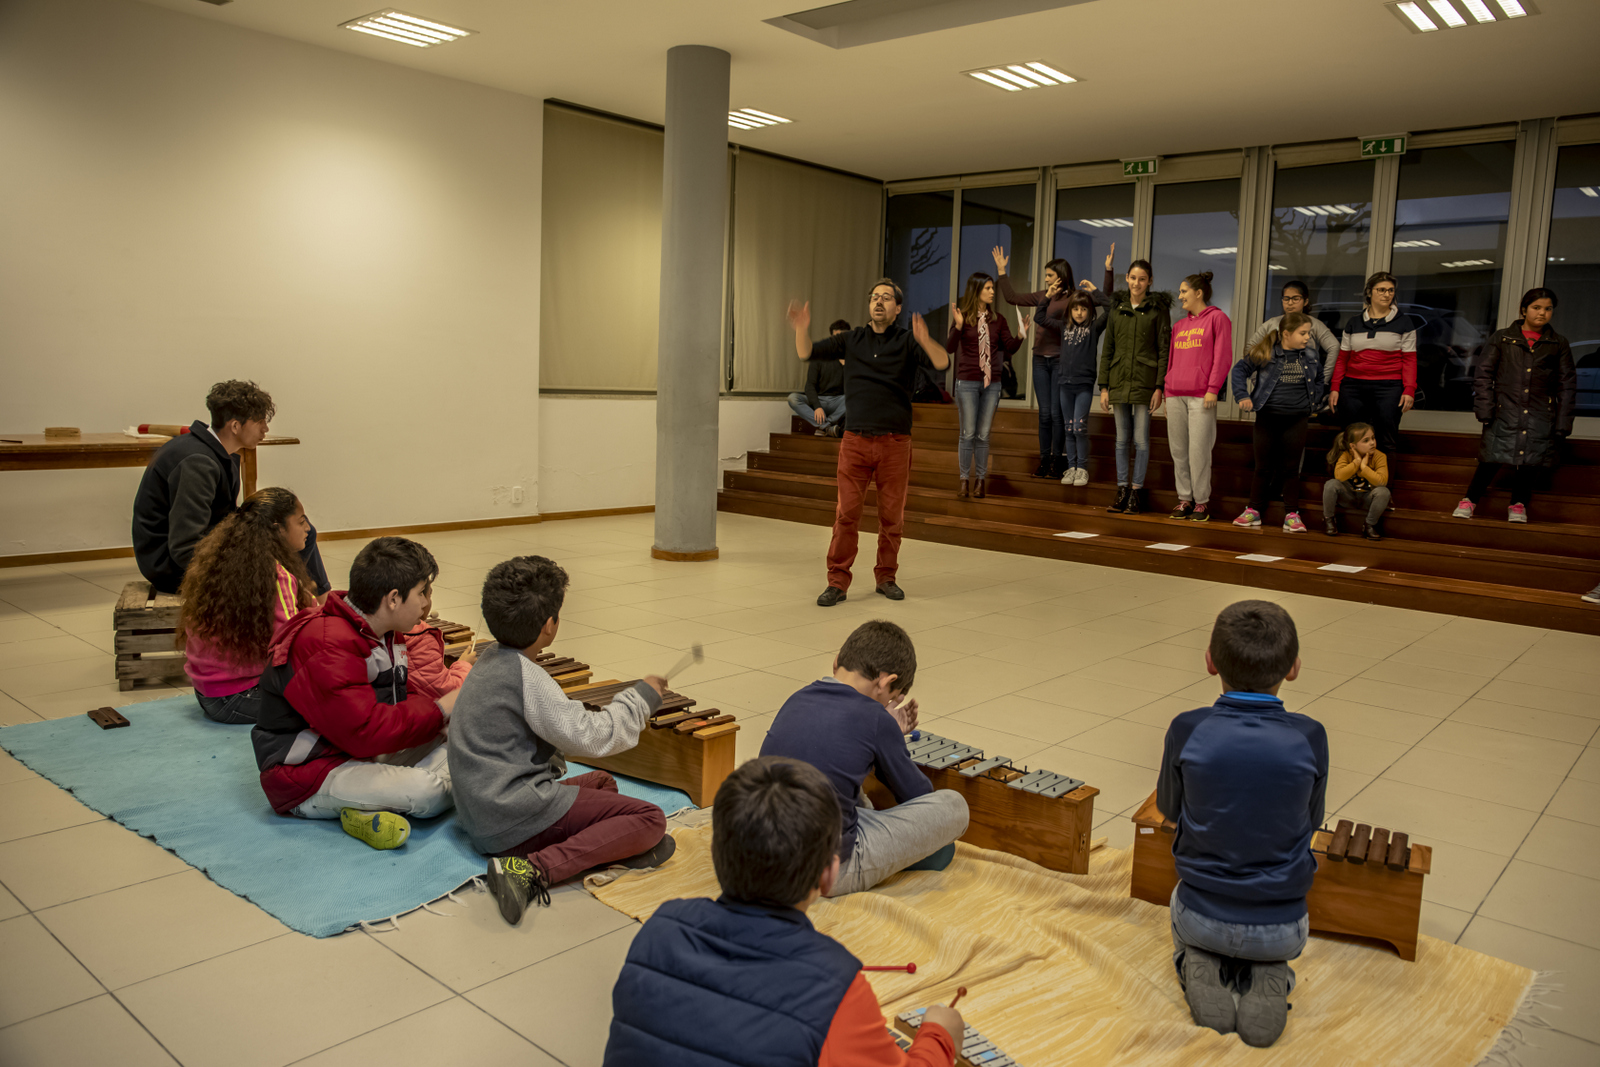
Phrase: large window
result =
(1449, 255)
(916, 253)
(1573, 268)
(1321, 220)
(1089, 220)
(1195, 229)
(1002, 216)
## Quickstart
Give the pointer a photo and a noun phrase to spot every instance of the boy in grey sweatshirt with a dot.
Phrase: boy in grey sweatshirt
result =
(512, 725)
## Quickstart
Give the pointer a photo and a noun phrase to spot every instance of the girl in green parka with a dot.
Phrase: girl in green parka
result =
(1133, 364)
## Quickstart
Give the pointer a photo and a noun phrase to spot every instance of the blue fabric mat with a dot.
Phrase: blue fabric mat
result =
(192, 786)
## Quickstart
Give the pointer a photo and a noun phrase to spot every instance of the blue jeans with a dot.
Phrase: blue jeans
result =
(1266, 942)
(1052, 426)
(1074, 403)
(1138, 415)
(832, 407)
(241, 707)
(975, 404)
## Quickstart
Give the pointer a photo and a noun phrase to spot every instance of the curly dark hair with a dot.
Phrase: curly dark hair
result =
(520, 596)
(245, 401)
(229, 587)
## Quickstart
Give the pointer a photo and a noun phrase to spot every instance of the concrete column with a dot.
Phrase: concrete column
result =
(694, 213)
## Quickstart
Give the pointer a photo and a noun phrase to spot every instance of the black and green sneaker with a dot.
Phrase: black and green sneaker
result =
(514, 882)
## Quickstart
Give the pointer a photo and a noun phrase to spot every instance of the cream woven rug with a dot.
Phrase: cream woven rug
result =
(1068, 969)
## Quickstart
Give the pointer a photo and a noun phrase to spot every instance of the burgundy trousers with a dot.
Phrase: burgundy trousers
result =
(602, 826)
(886, 460)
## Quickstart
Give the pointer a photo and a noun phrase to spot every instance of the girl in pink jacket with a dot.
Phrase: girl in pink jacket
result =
(1197, 367)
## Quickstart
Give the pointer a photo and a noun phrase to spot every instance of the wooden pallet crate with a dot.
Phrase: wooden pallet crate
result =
(146, 625)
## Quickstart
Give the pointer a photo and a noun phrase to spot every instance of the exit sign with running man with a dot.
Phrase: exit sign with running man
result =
(1138, 168)
(1393, 145)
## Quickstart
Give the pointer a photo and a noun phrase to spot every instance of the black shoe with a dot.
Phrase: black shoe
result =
(514, 882)
(1370, 532)
(1330, 526)
(1264, 1007)
(1121, 503)
(830, 596)
(890, 590)
(654, 856)
(978, 488)
(1210, 1000)
(1058, 467)
(1136, 502)
(1184, 509)
(1043, 469)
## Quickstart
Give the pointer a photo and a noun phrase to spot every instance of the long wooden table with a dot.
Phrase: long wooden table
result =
(94, 451)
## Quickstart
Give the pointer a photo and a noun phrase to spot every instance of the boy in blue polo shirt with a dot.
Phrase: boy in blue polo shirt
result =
(1245, 780)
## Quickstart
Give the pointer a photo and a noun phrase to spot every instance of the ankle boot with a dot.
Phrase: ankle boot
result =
(1371, 532)
(965, 491)
(1135, 503)
(977, 489)
(1043, 468)
(1121, 503)
(1058, 466)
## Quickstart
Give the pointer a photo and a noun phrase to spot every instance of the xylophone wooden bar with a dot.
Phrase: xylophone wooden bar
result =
(1373, 898)
(688, 750)
(1038, 815)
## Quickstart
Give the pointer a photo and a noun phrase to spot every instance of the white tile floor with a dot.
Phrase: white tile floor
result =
(1476, 737)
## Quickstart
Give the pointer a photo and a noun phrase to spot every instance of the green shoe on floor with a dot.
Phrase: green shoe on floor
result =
(514, 882)
(380, 829)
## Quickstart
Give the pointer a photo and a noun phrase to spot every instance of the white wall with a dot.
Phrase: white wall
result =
(182, 201)
(600, 452)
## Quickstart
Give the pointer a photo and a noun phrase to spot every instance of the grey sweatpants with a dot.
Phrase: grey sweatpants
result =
(889, 841)
(1335, 492)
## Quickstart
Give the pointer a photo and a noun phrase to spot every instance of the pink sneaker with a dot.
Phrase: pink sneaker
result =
(1517, 513)
(1464, 509)
(1248, 517)
(1292, 523)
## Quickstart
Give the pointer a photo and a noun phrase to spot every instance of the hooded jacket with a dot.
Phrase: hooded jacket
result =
(1525, 396)
(1202, 350)
(1133, 360)
(1261, 382)
(191, 484)
(334, 691)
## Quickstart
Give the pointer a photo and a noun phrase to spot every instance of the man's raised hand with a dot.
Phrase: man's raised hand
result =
(800, 315)
(919, 329)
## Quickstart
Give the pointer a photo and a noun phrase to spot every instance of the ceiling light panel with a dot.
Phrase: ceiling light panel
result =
(1015, 77)
(1228, 251)
(1427, 16)
(748, 118)
(406, 29)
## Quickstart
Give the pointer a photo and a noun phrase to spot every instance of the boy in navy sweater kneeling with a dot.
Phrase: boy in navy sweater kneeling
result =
(855, 723)
(1245, 781)
(746, 978)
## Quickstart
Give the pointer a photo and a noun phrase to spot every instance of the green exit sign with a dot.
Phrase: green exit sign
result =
(1138, 168)
(1383, 146)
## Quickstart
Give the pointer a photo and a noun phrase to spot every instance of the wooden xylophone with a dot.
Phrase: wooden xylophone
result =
(974, 1050)
(1038, 815)
(1368, 884)
(691, 750)
(458, 637)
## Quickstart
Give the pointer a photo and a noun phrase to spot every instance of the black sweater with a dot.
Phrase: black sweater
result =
(880, 372)
(824, 377)
(191, 484)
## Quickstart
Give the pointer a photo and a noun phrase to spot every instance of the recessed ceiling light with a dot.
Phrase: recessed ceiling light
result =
(1425, 16)
(1276, 266)
(748, 118)
(1588, 190)
(407, 29)
(1450, 15)
(1469, 263)
(1478, 10)
(1512, 8)
(1015, 77)
(1103, 223)
(1326, 209)
(1416, 16)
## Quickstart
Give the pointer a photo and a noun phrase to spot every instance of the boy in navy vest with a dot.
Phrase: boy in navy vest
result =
(192, 483)
(1245, 781)
(855, 723)
(746, 978)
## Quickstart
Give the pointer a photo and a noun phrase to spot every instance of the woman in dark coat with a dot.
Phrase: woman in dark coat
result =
(1524, 393)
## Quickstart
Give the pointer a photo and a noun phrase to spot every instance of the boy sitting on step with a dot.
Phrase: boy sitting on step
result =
(1245, 781)
(344, 732)
(511, 727)
(746, 978)
(855, 723)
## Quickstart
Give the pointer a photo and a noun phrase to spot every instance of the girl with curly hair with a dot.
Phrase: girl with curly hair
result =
(246, 580)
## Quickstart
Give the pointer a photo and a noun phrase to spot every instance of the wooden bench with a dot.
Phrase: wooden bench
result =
(146, 624)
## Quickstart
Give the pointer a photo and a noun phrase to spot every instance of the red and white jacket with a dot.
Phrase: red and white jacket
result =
(334, 691)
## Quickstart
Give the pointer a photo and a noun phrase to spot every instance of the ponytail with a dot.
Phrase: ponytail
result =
(1345, 441)
(1261, 354)
(1201, 283)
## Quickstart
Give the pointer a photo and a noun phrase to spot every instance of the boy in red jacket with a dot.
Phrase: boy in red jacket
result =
(345, 733)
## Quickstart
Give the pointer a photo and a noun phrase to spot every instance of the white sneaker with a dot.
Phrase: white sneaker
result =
(1083, 476)
(1070, 477)
(1464, 509)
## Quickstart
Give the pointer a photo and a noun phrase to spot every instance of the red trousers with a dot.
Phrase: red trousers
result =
(885, 459)
(602, 826)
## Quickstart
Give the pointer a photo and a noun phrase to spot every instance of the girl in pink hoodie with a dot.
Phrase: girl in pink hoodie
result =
(1197, 368)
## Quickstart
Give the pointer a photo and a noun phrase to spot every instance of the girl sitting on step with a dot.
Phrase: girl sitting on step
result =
(1281, 381)
(246, 580)
(1360, 480)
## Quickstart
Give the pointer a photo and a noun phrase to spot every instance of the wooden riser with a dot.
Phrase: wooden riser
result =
(1393, 589)
(1396, 551)
(696, 765)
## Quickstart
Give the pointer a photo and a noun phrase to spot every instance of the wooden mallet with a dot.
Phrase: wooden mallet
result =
(909, 968)
(961, 991)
